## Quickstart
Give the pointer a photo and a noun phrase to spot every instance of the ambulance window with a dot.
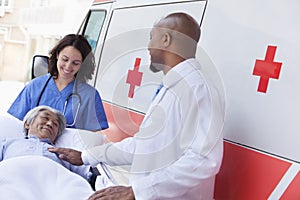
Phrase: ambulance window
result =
(94, 26)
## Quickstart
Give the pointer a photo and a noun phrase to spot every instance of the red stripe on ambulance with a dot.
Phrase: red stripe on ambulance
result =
(292, 192)
(247, 174)
(122, 122)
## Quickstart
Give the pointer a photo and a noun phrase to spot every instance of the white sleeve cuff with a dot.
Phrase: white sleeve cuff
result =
(88, 159)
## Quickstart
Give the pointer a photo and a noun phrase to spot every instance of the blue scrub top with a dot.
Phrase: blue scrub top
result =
(91, 115)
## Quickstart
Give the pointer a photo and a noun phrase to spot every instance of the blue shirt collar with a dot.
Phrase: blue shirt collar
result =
(46, 140)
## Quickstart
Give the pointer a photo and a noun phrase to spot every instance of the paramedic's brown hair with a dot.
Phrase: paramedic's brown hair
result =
(82, 45)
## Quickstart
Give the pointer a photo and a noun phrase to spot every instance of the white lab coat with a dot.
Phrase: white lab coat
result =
(178, 149)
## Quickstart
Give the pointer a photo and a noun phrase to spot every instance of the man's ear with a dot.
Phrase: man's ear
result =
(166, 38)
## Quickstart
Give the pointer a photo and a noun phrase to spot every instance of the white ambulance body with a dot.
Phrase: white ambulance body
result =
(254, 45)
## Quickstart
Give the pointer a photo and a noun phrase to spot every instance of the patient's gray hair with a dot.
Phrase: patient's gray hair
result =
(32, 114)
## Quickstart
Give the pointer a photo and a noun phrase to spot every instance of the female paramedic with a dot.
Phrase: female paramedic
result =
(64, 88)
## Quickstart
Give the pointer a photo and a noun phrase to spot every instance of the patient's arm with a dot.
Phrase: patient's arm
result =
(70, 155)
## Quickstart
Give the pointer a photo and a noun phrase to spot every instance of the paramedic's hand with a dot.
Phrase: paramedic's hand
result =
(70, 155)
(114, 193)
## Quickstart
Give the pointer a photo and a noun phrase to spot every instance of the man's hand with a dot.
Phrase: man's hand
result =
(114, 193)
(70, 155)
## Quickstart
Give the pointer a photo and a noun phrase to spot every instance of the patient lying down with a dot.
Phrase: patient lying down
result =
(42, 125)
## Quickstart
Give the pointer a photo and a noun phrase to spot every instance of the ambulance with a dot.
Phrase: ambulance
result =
(253, 46)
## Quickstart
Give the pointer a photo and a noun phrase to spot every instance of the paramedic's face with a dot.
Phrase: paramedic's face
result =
(44, 126)
(68, 62)
(155, 50)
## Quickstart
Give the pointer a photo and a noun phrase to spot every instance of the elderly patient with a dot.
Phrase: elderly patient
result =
(42, 125)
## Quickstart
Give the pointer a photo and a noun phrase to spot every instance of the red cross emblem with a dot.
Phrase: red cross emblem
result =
(134, 77)
(267, 69)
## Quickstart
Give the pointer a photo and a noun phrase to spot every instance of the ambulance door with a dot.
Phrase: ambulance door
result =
(255, 45)
(94, 29)
(124, 78)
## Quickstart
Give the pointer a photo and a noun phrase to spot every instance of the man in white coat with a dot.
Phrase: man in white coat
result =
(178, 150)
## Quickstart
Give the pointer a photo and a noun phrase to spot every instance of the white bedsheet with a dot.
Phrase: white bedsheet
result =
(39, 178)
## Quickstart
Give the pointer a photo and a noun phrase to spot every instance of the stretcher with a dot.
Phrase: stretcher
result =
(37, 177)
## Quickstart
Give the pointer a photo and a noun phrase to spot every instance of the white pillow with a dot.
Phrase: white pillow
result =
(11, 127)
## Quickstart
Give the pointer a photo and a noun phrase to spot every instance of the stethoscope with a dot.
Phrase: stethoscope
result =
(72, 95)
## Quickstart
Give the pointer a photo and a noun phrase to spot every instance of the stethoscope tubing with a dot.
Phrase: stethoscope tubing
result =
(75, 93)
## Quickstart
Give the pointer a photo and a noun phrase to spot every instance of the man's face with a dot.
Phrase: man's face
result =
(44, 126)
(156, 50)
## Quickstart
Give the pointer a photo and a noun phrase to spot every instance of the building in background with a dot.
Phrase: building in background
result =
(30, 27)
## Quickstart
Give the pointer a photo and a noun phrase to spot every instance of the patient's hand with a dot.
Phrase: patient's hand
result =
(70, 155)
(114, 193)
